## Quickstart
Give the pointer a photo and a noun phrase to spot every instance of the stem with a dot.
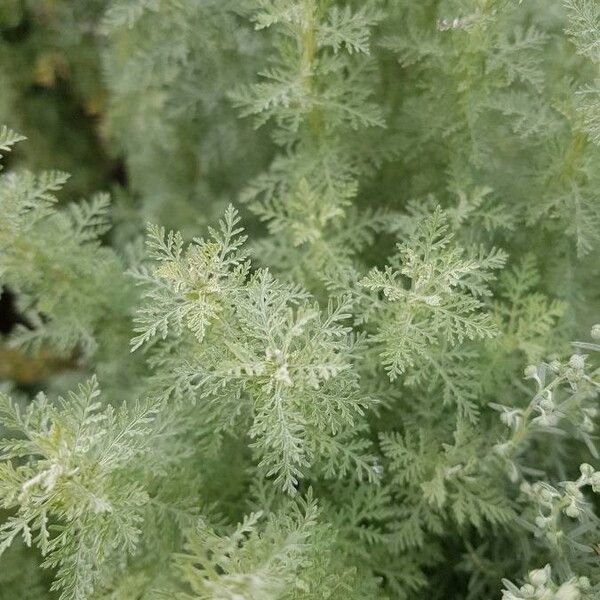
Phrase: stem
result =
(307, 62)
(572, 155)
(523, 428)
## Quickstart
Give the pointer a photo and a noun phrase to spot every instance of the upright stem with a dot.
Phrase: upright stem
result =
(523, 428)
(572, 156)
(307, 63)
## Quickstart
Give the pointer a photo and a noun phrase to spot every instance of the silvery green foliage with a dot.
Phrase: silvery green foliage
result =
(72, 496)
(169, 65)
(430, 304)
(540, 585)
(59, 247)
(9, 138)
(584, 17)
(245, 346)
(319, 100)
(360, 383)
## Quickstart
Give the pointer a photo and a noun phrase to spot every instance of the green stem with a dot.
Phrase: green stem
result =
(523, 428)
(308, 59)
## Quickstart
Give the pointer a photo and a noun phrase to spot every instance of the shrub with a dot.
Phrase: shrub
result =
(315, 338)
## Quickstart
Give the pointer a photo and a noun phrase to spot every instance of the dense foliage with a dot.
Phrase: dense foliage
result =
(329, 329)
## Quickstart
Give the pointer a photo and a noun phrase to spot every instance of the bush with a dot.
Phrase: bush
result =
(315, 337)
